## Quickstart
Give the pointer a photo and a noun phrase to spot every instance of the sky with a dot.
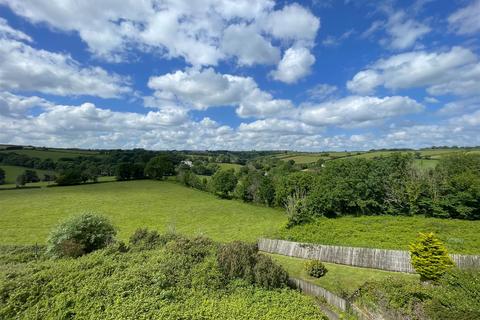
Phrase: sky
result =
(318, 75)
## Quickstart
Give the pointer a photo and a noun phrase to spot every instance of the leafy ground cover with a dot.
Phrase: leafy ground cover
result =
(26, 216)
(387, 232)
(180, 280)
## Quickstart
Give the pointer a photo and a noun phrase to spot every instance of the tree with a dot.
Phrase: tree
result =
(224, 182)
(2, 176)
(159, 167)
(69, 177)
(20, 180)
(124, 171)
(266, 191)
(30, 176)
(430, 257)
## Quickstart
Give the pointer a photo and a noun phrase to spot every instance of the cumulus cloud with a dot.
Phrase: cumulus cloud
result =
(466, 20)
(249, 46)
(201, 89)
(24, 68)
(16, 106)
(201, 32)
(456, 71)
(358, 111)
(295, 64)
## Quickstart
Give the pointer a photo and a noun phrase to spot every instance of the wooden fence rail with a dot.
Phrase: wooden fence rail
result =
(391, 260)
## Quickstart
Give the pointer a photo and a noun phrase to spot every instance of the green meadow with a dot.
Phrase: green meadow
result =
(27, 216)
(387, 232)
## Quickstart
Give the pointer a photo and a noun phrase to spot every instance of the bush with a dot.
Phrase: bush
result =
(237, 260)
(196, 249)
(79, 235)
(315, 268)
(268, 274)
(430, 257)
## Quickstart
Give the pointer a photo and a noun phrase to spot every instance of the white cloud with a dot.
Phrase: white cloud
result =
(456, 71)
(197, 31)
(15, 106)
(401, 29)
(24, 68)
(293, 22)
(201, 89)
(466, 20)
(357, 111)
(249, 46)
(295, 64)
(404, 32)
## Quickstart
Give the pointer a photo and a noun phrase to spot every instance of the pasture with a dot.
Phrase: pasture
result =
(387, 232)
(11, 172)
(27, 215)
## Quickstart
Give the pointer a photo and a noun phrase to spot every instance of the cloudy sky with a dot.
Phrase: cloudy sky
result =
(240, 74)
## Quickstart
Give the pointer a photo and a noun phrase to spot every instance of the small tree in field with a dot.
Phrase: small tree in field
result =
(2, 176)
(430, 257)
(224, 182)
(79, 235)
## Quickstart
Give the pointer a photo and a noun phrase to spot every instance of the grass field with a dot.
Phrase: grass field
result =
(339, 279)
(11, 173)
(53, 154)
(388, 232)
(226, 166)
(27, 216)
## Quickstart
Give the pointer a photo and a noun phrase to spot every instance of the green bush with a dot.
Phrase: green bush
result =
(268, 274)
(456, 296)
(315, 268)
(430, 257)
(237, 260)
(79, 235)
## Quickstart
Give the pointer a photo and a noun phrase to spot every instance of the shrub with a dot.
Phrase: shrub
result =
(197, 248)
(430, 257)
(79, 235)
(456, 296)
(268, 274)
(315, 268)
(237, 260)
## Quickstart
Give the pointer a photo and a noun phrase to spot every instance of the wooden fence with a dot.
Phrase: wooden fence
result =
(391, 260)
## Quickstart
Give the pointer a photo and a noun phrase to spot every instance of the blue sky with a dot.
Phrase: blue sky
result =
(240, 75)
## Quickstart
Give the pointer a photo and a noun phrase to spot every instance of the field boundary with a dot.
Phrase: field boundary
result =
(383, 259)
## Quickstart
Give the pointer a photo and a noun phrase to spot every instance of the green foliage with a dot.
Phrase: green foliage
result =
(2, 176)
(159, 167)
(429, 257)
(224, 182)
(298, 183)
(163, 283)
(69, 177)
(237, 260)
(315, 268)
(268, 274)
(143, 239)
(454, 296)
(80, 234)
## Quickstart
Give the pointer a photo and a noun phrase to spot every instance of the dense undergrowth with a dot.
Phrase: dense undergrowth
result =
(172, 278)
(454, 297)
